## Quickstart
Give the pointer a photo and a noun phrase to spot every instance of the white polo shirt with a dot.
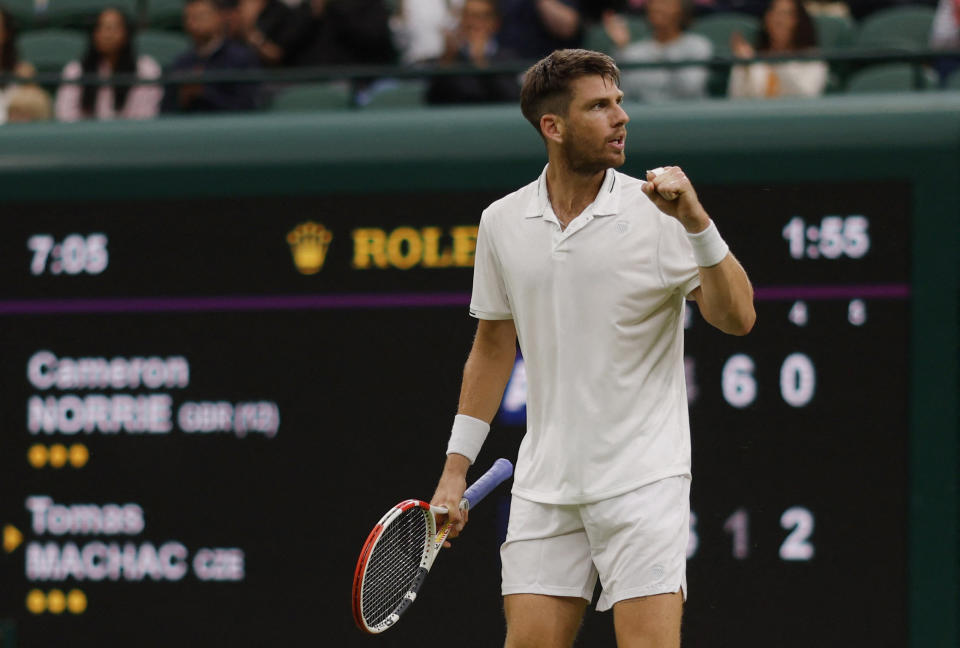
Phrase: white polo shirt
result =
(598, 309)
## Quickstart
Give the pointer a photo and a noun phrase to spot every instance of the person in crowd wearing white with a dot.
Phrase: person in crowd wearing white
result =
(787, 29)
(668, 20)
(110, 52)
(419, 28)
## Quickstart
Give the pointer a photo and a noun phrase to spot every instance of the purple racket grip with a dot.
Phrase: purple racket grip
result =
(501, 471)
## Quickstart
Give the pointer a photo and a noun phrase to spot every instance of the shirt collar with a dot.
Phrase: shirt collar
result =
(606, 203)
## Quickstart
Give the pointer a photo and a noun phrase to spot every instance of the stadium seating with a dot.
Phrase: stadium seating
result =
(899, 28)
(888, 77)
(953, 81)
(165, 14)
(312, 96)
(23, 12)
(721, 26)
(834, 32)
(596, 37)
(396, 94)
(83, 13)
(50, 49)
(163, 46)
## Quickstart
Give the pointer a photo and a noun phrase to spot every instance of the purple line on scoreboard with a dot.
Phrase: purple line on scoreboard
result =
(346, 301)
(231, 303)
(853, 291)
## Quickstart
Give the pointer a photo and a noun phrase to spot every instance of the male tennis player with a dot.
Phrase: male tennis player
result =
(590, 268)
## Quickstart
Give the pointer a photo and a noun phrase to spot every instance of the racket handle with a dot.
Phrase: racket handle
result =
(501, 471)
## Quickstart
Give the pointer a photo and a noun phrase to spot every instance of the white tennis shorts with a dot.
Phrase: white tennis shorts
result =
(636, 543)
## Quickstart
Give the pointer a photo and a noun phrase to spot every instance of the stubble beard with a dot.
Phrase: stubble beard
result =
(583, 162)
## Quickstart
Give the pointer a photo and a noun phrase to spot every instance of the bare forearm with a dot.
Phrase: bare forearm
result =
(559, 19)
(485, 376)
(726, 297)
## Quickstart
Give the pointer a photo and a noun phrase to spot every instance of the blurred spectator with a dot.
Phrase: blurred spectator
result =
(232, 23)
(475, 43)
(29, 103)
(109, 52)
(419, 27)
(331, 32)
(945, 34)
(640, 6)
(205, 24)
(827, 8)
(534, 28)
(787, 29)
(10, 62)
(268, 27)
(668, 21)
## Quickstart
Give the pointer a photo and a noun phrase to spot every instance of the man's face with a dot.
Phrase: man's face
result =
(665, 14)
(202, 21)
(595, 127)
(478, 20)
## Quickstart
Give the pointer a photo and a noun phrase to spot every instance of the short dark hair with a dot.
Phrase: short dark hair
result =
(546, 85)
(804, 33)
(8, 52)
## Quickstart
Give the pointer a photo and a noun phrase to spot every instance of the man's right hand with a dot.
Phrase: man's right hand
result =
(450, 489)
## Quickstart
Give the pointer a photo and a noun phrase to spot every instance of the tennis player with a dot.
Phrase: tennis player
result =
(590, 268)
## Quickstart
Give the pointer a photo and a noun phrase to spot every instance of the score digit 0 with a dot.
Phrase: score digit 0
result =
(798, 380)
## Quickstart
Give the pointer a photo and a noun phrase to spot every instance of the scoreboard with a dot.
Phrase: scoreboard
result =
(209, 397)
(194, 388)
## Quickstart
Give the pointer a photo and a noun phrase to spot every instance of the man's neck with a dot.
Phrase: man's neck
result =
(666, 35)
(209, 47)
(571, 192)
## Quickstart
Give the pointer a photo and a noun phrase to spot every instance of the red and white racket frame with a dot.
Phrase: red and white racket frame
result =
(433, 542)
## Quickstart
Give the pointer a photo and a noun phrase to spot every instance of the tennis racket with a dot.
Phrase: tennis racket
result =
(401, 549)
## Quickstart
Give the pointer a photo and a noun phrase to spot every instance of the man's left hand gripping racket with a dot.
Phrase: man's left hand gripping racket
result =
(401, 548)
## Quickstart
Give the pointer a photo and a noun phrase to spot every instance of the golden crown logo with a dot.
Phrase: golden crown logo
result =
(308, 245)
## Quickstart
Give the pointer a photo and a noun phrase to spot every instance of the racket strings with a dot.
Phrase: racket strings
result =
(394, 565)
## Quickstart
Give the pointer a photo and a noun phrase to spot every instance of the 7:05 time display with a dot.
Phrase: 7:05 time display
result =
(75, 254)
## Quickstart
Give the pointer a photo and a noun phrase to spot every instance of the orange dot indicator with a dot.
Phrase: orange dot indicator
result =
(36, 602)
(79, 455)
(76, 602)
(58, 455)
(56, 601)
(37, 455)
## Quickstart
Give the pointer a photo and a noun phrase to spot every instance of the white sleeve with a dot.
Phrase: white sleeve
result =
(678, 269)
(489, 300)
(806, 79)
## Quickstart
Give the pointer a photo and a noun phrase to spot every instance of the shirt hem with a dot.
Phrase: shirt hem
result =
(590, 498)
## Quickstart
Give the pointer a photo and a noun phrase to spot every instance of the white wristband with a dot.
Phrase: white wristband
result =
(467, 436)
(709, 248)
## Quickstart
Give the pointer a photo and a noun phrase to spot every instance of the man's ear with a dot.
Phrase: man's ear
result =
(552, 127)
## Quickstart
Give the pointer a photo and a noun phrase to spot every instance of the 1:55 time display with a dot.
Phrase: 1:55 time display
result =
(833, 238)
(75, 254)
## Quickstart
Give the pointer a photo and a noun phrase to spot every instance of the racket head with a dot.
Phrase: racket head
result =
(393, 563)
